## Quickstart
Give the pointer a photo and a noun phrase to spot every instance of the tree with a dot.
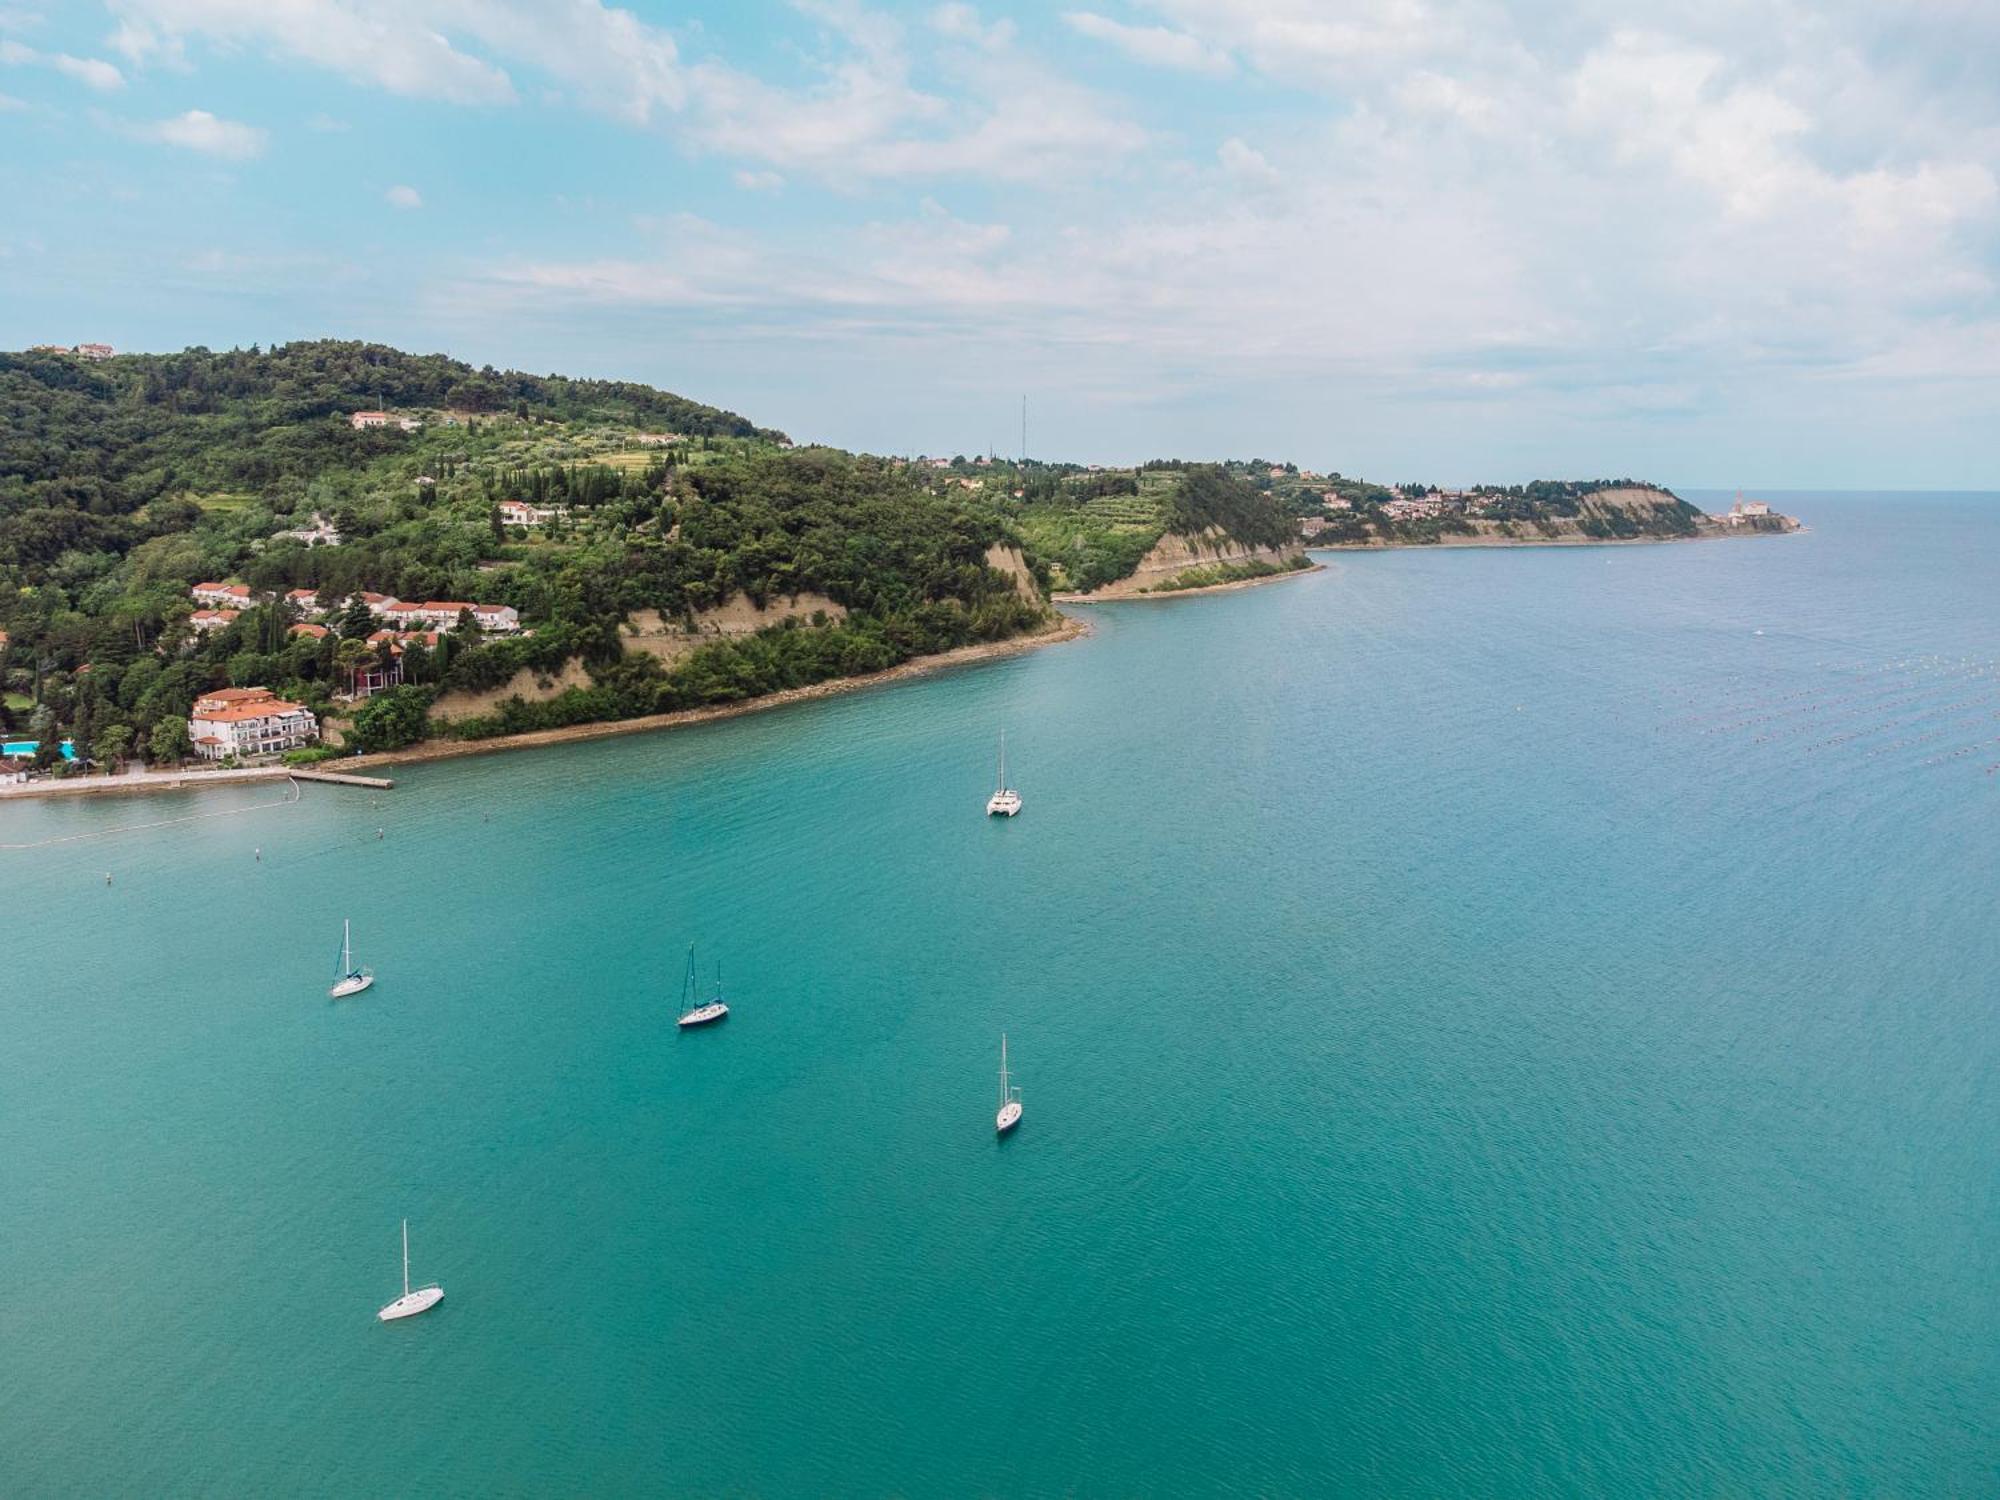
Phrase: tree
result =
(114, 743)
(170, 740)
(352, 657)
(390, 720)
(357, 621)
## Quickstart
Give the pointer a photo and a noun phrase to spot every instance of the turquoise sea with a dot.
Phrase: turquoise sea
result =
(1491, 1023)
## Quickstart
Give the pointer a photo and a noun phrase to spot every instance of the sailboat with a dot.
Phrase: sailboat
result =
(423, 1299)
(696, 1013)
(350, 980)
(1005, 801)
(1010, 1097)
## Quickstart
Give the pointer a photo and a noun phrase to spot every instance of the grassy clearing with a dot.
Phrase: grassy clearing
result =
(224, 501)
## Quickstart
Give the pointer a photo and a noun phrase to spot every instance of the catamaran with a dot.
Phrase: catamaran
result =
(1005, 801)
(350, 980)
(423, 1299)
(695, 1013)
(1010, 1097)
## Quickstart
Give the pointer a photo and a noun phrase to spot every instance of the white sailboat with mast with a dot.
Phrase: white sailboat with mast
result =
(351, 980)
(694, 1012)
(1010, 1096)
(423, 1299)
(1005, 801)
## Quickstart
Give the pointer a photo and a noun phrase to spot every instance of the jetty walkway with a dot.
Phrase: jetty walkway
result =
(151, 780)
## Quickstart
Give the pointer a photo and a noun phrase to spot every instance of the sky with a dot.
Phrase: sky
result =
(1713, 243)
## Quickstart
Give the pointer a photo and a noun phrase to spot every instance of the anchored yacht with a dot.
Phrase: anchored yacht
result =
(350, 980)
(1005, 801)
(423, 1299)
(1010, 1097)
(697, 1013)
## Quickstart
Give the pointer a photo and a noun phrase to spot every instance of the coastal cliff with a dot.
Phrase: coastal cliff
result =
(1547, 514)
(1175, 562)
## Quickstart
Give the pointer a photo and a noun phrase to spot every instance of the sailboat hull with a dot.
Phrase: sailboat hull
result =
(353, 984)
(706, 1015)
(1003, 804)
(423, 1299)
(1009, 1116)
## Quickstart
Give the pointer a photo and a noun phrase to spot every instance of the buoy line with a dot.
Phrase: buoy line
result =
(228, 812)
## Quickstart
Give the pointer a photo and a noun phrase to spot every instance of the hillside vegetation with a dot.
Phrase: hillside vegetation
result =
(641, 537)
(1095, 526)
(124, 483)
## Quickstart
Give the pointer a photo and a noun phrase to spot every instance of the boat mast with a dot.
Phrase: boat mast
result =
(1003, 762)
(406, 1257)
(346, 946)
(1003, 1070)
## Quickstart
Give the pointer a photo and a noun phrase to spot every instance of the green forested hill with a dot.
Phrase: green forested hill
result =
(124, 482)
(105, 438)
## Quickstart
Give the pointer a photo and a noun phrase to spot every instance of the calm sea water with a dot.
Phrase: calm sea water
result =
(1491, 1023)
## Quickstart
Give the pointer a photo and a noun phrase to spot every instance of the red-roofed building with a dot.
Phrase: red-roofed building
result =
(317, 632)
(248, 721)
(206, 620)
(363, 419)
(220, 593)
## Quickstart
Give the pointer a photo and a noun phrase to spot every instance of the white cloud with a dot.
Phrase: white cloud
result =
(1246, 163)
(860, 119)
(1155, 46)
(8, 102)
(450, 50)
(92, 72)
(198, 130)
(759, 182)
(961, 23)
(1309, 40)
(404, 196)
(1007, 117)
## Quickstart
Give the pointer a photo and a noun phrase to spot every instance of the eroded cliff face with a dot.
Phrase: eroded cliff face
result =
(1173, 555)
(1647, 509)
(1004, 559)
(527, 684)
(670, 639)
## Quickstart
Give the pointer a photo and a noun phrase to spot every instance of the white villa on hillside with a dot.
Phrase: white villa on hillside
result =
(248, 721)
(320, 533)
(233, 594)
(520, 513)
(205, 620)
(444, 613)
